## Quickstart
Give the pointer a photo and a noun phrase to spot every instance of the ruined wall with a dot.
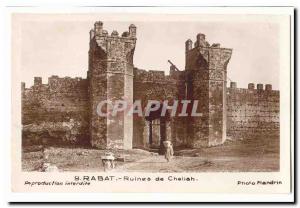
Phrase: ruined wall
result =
(252, 112)
(56, 112)
(155, 85)
(65, 109)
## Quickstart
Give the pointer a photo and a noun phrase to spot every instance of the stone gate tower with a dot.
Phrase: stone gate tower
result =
(206, 68)
(110, 78)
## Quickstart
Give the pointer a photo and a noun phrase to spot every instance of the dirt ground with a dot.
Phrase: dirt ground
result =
(252, 155)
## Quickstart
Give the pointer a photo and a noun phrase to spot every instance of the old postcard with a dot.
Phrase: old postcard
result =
(170, 102)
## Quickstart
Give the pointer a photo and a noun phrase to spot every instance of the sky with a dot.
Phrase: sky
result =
(58, 45)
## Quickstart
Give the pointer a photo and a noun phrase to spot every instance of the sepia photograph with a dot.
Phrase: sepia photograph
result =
(126, 102)
(125, 117)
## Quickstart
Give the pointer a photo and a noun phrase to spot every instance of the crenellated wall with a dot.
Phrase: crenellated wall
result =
(64, 111)
(56, 112)
(252, 112)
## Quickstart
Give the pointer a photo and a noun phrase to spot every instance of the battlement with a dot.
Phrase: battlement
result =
(202, 55)
(251, 87)
(55, 81)
(201, 42)
(113, 49)
(37, 80)
(98, 32)
(142, 75)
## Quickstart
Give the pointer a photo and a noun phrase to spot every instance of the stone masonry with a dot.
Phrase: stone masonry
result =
(64, 111)
(110, 78)
(206, 68)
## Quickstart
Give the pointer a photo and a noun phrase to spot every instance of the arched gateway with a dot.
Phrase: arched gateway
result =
(112, 77)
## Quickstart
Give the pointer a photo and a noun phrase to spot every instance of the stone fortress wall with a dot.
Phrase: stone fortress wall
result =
(63, 111)
(252, 112)
(56, 112)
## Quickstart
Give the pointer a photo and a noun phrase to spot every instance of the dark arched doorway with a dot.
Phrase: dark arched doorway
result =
(157, 125)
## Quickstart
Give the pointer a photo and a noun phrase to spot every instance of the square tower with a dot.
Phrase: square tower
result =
(110, 78)
(206, 68)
